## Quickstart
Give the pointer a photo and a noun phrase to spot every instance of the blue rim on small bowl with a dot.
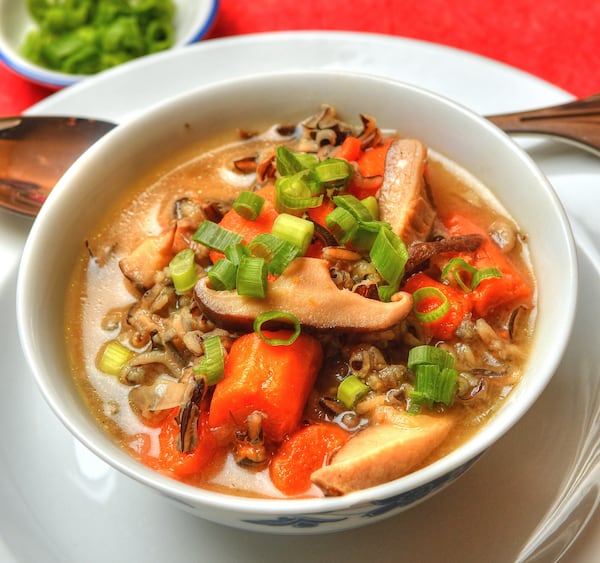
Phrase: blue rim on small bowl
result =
(194, 19)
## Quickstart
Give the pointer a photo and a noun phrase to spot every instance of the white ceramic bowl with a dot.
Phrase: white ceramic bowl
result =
(89, 187)
(194, 19)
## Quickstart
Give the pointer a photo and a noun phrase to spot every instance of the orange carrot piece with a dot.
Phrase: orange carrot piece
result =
(319, 214)
(513, 286)
(372, 161)
(175, 463)
(349, 149)
(274, 380)
(303, 452)
(245, 227)
(460, 306)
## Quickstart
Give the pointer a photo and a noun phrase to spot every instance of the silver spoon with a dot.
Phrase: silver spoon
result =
(35, 151)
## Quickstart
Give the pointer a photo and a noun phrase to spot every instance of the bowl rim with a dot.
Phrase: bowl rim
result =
(47, 77)
(194, 496)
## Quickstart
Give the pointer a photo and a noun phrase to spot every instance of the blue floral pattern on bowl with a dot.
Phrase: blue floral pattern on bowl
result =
(373, 510)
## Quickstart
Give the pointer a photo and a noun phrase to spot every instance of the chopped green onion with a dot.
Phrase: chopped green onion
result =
(342, 224)
(307, 160)
(251, 277)
(114, 356)
(248, 205)
(235, 252)
(333, 172)
(293, 194)
(389, 255)
(425, 354)
(372, 205)
(366, 233)
(350, 390)
(212, 364)
(385, 292)
(277, 253)
(294, 229)
(484, 274)
(287, 162)
(222, 275)
(182, 269)
(424, 294)
(433, 384)
(279, 317)
(462, 272)
(353, 205)
(216, 237)
(87, 36)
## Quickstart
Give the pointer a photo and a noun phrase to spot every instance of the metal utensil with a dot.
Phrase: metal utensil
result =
(36, 151)
(577, 122)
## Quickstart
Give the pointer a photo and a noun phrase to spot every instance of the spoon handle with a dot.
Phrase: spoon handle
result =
(578, 122)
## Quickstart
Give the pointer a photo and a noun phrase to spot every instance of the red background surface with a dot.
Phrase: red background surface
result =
(556, 40)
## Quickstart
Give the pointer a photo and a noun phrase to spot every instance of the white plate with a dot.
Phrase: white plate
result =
(61, 504)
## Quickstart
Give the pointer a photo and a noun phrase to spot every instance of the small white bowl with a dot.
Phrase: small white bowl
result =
(88, 189)
(194, 19)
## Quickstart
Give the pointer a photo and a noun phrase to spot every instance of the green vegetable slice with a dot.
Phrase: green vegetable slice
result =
(295, 230)
(212, 364)
(435, 314)
(350, 390)
(251, 277)
(114, 356)
(216, 237)
(182, 269)
(222, 275)
(248, 205)
(279, 317)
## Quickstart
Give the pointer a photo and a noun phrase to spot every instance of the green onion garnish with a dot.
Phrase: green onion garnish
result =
(248, 205)
(424, 294)
(294, 194)
(279, 317)
(235, 252)
(114, 356)
(332, 173)
(212, 364)
(295, 230)
(251, 277)
(353, 205)
(277, 253)
(222, 275)
(342, 224)
(216, 237)
(372, 205)
(467, 276)
(287, 162)
(389, 255)
(435, 377)
(350, 390)
(432, 385)
(182, 269)
(425, 354)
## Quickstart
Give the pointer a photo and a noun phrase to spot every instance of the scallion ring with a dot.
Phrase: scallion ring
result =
(425, 293)
(279, 317)
(462, 272)
(212, 364)
(248, 205)
(182, 269)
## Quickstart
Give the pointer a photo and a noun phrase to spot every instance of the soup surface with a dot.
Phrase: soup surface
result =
(360, 311)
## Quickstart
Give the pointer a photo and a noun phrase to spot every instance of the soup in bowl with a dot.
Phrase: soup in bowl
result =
(297, 302)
